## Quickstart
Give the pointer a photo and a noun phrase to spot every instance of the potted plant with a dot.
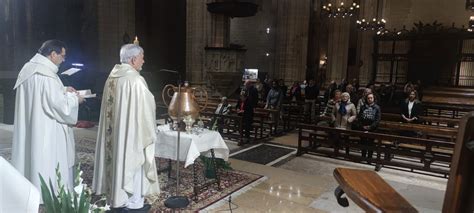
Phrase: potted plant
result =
(209, 171)
(62, 200)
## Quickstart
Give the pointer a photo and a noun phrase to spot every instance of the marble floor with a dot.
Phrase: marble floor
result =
(300, 184)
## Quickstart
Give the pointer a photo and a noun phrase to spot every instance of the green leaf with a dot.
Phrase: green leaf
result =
(82, 202)
(47, 199)
(88, 205)
(56, 203)
(65, 205)
(76, 203)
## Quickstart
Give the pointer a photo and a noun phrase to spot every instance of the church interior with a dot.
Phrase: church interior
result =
(306, 60)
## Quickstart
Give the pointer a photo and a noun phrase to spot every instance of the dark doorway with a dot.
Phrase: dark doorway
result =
(433, 61)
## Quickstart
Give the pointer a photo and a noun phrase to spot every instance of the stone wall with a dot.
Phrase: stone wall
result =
(115, 18)
(197, 31)
(406, 12)
(286, 43)
(252, 33)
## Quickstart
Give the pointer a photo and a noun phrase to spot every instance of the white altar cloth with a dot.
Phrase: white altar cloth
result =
(191, 145)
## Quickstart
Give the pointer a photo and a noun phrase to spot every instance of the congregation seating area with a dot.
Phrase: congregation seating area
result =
(426, 146)
(373, 194)
(423, 147)
(389, 150)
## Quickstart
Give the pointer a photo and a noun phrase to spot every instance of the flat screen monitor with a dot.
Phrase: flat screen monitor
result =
(251, 74)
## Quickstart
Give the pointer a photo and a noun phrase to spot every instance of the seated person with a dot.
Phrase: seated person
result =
(344, 112)
(411, 109)
(222, 109)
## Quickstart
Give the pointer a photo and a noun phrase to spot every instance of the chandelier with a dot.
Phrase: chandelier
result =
(341, 11)
(471, 24)
(376, 24)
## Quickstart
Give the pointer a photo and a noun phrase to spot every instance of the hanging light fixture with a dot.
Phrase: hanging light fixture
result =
(340, 11)
(471, 24)
(376, 24)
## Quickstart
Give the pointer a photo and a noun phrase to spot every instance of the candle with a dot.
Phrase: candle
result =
(136, 41)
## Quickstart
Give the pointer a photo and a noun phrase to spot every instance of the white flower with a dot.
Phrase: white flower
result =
(78, 189)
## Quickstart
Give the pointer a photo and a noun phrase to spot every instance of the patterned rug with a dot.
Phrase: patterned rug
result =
(231, 180)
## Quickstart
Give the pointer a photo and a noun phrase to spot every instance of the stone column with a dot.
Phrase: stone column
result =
(366, 42)
(338, 47)
(291, 40)
(203, 29)
(14, 50)
(115, 18)
(197, 19)
(220, 30)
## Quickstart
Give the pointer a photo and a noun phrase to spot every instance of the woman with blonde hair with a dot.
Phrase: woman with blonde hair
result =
(344, 112)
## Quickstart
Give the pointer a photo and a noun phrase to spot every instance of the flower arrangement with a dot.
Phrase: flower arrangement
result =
(62, 200)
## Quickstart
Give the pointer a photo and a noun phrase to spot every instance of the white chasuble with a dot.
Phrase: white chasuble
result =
(17, 194)
(126, 137)
(44, 114)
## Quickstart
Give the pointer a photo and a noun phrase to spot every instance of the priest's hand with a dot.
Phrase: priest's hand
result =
(70, 89)
(80, 99)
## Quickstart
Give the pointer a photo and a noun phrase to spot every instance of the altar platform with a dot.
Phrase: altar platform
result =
(294, 184)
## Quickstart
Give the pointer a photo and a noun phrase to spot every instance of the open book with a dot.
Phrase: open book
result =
(71, 71)
(86, 93)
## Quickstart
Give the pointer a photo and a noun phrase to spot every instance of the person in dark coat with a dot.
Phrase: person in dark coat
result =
(295, 92)
(368, 120)
(244, 108)
(411, 109)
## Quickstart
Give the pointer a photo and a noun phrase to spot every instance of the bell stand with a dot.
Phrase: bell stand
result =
(177, 201)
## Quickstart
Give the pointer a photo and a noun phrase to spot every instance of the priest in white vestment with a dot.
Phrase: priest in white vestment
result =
(45, 111)
(124, 166)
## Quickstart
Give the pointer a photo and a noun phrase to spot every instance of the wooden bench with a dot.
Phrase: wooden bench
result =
(427, 120)
(451, 102)
(427, 131)
(262, 127)
(370, 192)
(269, 119)
(409, 153)
(231, 127)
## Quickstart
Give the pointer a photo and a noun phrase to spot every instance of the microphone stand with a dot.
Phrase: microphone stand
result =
(177, 201)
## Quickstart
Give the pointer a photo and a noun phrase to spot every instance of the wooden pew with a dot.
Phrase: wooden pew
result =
(451, 102)
(428, 120)
(373, 194)
(369, 191)
(269, 118)
(427, 131)
(404, 152)
(232, 125)
(459, 195)
(263, 125)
